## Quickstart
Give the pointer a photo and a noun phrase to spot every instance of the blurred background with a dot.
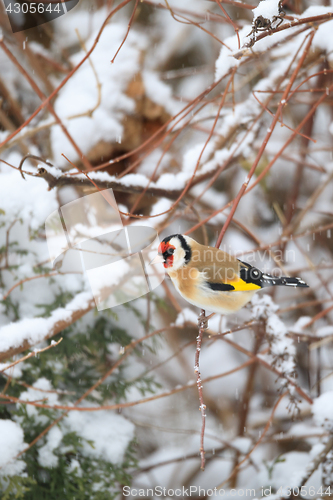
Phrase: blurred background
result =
(173, 105)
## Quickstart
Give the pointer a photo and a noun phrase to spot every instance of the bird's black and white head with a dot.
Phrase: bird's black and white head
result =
(176, 251)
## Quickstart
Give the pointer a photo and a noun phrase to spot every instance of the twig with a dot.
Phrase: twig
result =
(25, 280)
(267, 426)
(127, 32)
(233, 24)
(265, 141)
(46, 101)
(202, 407)
(7, 241)
(51, 328)
(127, 404)
(291, 24)
(31, 354)
(113, 407)
(317, 461)
(43, 98)
(247, 393)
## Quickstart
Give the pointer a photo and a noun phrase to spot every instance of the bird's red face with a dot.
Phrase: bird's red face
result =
(166, 250)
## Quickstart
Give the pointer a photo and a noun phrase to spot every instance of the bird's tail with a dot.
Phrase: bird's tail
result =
(268, 280)
(251, 274)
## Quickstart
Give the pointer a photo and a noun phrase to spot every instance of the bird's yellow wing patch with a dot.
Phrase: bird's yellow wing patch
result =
(241, 286)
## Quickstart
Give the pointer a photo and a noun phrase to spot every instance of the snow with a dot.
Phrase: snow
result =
(11, 443)
(159, 92)
(46, 457)
(283, 350)
(80, 94)
(226, 61)
(28, 204)
(15, 371)
(85, 21)
(325, 330)
(128, 180)
(39, 390)
(110, 433)
(268, 9)
(34, 330)
(302, 429)
(74, 465)
(162, 425)
(192, 155)
(162, 205)
(172, 182)
(322, 410)
(108, 276)
(168, 181)
(242, 444)
(263, 306)
(55, 172)
(29, 201)
(300, 324)
(289, 469)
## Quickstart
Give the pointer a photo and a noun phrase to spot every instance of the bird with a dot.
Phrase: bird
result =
(209, 278)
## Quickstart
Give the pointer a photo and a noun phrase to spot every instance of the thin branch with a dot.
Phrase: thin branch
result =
(202, 406)
(70, 74)
(53, 326)
(265, 141)
(31, 354)
(317, 461)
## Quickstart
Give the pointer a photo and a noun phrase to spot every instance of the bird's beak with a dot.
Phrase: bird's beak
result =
(159, 259)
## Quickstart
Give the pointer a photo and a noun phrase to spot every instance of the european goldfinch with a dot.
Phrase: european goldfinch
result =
(212, 279)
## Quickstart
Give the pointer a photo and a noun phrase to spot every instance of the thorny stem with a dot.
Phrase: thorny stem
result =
(202, 321)
(202, 327)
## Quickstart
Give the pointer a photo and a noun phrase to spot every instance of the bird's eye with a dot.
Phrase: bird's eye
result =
(170, 251)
